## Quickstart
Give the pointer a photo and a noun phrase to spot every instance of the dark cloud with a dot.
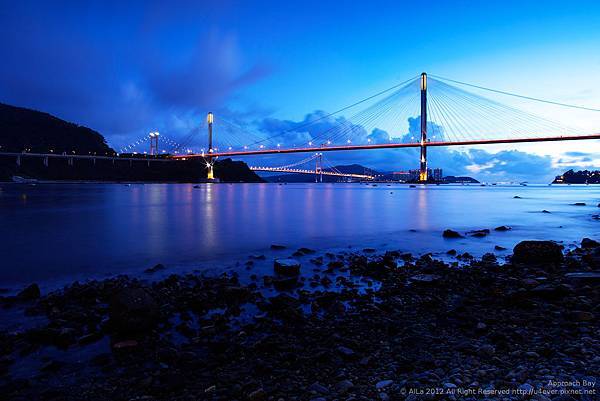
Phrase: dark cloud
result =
(119, 68)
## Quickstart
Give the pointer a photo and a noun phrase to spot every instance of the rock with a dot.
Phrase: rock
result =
(380, 385)
(318, 388)
(369, 250)
(155, 268)
(285, 283)
(277, 247)
(343, 386)
(579, 204)
(451, 252)
(516, 197)
(125, 344)
(550, 291)
(451, 234)
(526, 388)
(529, 282)
(589, 243)
(537, 252)
(89, 338)
(487, 350)
(582, 316)
(479, 233)
(287, 267)
(29, 293)
(346, 352)
(257, 395)
(133, 310)
(305, 251)
(424, 278)
(52, 366)
(590, 278)
(499, 248)
(545, 211)
(502, 228)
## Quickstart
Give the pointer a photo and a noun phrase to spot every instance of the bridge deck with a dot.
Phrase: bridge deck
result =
(389, 146)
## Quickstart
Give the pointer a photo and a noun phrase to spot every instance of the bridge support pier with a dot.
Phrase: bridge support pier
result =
(70, 161)
(19, 161)
(46, 161)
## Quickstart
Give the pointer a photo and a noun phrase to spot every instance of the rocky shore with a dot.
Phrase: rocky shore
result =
(345, 326)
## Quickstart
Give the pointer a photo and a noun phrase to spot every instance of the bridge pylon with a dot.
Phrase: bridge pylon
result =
(154, 143)
(319, 167)
(210, 161)
(423, 161)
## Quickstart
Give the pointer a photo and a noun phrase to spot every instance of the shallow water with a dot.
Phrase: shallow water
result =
(57, 232)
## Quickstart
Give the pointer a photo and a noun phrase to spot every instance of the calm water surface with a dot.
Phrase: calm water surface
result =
(55, 232)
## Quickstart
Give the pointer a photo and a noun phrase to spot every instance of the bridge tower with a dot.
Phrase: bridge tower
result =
(210, 162)
(423, 166)
(319, 168)
(154, 143)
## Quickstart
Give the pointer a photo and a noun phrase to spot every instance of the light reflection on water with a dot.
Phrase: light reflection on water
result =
(63, 231)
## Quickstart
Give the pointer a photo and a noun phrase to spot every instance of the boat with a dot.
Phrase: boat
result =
(21, 180)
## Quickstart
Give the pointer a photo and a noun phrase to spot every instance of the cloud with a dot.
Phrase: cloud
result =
(577, 154)
(120, 69)
(506, 165)
(210, 72)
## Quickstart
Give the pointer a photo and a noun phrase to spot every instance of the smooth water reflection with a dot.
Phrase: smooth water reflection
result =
(64, 231)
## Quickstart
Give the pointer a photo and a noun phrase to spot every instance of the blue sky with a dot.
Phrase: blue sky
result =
(126, 69)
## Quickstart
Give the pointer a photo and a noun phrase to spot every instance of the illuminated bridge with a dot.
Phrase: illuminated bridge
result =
(438, 114)
(422, 112)
(318, 171)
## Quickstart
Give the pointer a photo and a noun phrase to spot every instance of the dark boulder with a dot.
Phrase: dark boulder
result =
(479, 233)
(589, 243)
(537, 252)
(579, 204)
(277, 247)
(287, 267)
(451, 234)
(156, 268)
(133, 310)
(503, 228)
(30, 293)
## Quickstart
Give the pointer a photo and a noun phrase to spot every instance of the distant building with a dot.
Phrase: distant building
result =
(435, 174)
(402, 176)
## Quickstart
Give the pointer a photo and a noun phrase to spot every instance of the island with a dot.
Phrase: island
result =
(578, 177)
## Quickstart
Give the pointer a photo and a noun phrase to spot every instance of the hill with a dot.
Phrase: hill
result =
(38, 132)
(578, 177)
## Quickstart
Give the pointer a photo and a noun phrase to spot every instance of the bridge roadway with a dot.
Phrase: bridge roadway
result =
(387, 146)
(89, 157)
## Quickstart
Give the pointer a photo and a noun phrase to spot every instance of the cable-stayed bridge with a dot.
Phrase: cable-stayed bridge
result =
(422, 112)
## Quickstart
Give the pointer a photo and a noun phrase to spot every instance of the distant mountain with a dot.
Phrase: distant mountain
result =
(38, 132)
(460, 180)
(578, 177)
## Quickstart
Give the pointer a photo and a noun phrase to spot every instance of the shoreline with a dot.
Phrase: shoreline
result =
(352, 323)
